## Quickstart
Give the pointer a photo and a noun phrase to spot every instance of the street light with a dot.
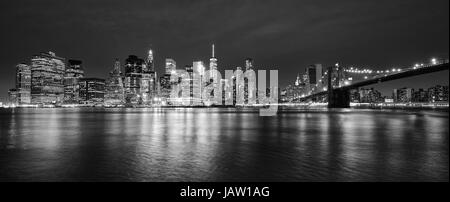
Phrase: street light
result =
(434, 61)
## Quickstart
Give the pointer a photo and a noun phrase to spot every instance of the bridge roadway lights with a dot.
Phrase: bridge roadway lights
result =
(338, 98)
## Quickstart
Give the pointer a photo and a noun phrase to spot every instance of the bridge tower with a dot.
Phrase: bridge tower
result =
(337, 98)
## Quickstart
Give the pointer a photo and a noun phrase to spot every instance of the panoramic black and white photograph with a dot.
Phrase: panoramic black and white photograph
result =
(224, 91)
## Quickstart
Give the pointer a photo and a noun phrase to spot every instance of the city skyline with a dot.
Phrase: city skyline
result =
(247, 64)
(288, 43)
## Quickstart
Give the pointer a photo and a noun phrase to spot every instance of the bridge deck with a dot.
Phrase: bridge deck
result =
(384, 78)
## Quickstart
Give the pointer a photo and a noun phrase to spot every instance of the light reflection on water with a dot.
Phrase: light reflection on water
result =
(223, 145)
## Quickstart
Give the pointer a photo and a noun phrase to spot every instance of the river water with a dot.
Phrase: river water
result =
(212, 144)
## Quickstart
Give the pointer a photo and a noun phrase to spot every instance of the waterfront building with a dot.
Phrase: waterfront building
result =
(92, 91)
(370, 96)
(133, 80)
(420, 95)
(355, 96)
(314, 73)
(199, 69)
(12, 97)
(114, 89)
(402, 94)
(23, 83)
(438, 93)
(73, 73)
(249, 82)
(47, 78)
(171, 65)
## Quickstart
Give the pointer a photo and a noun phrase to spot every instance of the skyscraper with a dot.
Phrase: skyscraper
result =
(199, 67)
(47, 78)
(149, 79)
(171, 65)
(314, 73)
(213, 65)
(149, 62)
(114, 90)
(74, 72)
(12, 97)
(133, 79)
(249, 89)
(23, 83)
(248, 64)
(92, 91)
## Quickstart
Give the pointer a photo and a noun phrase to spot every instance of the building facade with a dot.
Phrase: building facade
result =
(114, 89)
(73, 73)
(47, 78)
(23, 84)
(133, 80)
(92, 91)
(438, 93)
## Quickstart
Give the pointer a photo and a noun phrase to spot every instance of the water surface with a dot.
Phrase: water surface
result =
(223, 145)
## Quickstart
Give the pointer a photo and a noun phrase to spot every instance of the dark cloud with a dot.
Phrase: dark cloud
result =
(286, 34)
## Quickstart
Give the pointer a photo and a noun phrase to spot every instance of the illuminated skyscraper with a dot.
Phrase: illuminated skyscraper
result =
(149, 80)
(133, 79)
(171, 65)
(114, 89)
(248, 64)
(12, 97)
(166, 87)
(249, 96)
(47, 78)
(149, 62)
(92, 91)
(314, 73)
(73, 73)
(199, 67)
(213, 65)
(23, 83)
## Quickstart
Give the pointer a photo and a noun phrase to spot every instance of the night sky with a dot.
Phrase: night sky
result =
(286, 35)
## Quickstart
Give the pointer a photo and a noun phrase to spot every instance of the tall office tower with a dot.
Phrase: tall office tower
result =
(92, 91)
(133, 79)
(166, 87)
(23, 83)
(12, 97)
(74, 72)
(314, 73)
(247, 91)
(199, 68)
(149, 62)
(248, 64)
(171, 65)
(149, 79)
(114, 90)
(213, 65)
(47, 78)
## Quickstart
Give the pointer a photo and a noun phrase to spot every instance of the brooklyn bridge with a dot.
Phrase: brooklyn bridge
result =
(336, 90)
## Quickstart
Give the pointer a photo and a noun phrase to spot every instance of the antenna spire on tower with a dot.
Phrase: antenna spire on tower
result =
(213, 50)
